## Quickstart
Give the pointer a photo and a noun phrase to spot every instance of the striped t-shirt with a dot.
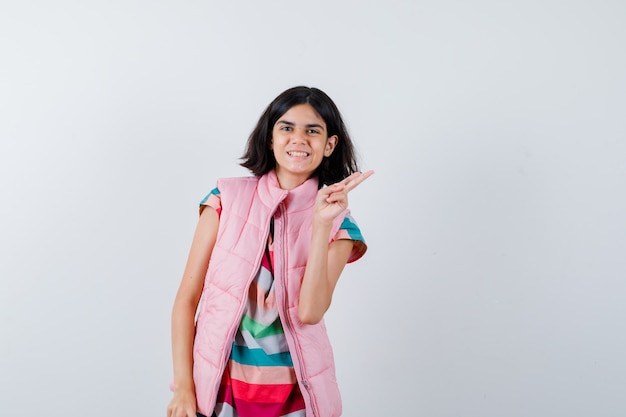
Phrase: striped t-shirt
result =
(259, 379)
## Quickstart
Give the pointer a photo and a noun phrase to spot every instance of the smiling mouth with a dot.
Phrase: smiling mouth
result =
(298, 154)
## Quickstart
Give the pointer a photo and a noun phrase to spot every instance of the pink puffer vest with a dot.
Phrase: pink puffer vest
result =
(247, 206)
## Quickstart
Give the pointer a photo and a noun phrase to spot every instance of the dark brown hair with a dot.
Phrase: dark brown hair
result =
(259, 158)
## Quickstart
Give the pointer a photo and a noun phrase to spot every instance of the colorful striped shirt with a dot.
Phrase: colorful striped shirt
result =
(259, 379)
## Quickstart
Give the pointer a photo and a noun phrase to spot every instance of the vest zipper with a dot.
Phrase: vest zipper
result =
(286, 319)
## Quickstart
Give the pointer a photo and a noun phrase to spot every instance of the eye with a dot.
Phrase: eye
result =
(313, 132)
(286, 128)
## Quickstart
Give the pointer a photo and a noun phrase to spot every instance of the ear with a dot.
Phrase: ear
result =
(331, 143)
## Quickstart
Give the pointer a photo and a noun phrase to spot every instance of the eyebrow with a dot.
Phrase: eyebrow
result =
(285, 122)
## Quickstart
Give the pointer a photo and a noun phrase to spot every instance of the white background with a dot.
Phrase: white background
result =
(495, 279)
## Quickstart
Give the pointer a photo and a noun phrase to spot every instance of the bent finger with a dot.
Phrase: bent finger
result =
(337, 197)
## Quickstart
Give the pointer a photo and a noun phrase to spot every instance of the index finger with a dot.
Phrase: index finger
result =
(354, 180)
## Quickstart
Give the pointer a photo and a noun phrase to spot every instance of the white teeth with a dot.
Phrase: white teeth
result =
(298, 153)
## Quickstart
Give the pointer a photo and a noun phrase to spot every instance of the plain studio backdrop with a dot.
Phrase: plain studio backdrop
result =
(495, 279)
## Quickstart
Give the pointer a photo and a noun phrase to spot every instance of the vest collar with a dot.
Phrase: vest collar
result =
(300, 198)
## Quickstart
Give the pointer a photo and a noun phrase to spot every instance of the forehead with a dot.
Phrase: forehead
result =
(302, 114)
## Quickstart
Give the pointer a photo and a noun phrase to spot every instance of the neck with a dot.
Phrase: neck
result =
(289, 182)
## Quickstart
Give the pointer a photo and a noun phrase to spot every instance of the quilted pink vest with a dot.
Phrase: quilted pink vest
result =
(247, 206)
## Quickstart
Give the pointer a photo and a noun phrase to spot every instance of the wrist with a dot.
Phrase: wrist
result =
(322, 224)
(184, 387)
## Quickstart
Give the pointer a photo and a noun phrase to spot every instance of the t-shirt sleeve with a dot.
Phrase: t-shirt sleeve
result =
(212, 199)
(350, 230)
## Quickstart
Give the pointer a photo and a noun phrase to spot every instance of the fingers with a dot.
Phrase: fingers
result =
(181, 410)
(352, 181)
(332, 193)
(337, 197)
(338, 192)
(181, 413)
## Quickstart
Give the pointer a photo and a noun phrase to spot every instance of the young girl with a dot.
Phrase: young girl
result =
(265, 258)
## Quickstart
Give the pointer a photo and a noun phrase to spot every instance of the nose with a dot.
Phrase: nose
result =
(298, 135)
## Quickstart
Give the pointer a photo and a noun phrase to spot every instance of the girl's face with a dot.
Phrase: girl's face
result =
(300, 142)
